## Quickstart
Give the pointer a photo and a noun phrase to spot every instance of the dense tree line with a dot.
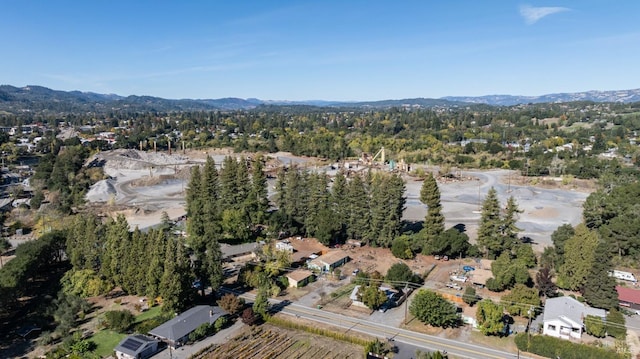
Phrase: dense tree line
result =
(365, 207)
(153, 263)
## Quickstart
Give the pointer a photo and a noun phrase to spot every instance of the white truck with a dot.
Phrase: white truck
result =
(628, 276)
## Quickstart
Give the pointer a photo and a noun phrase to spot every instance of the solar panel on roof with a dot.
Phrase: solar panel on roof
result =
(132, 344)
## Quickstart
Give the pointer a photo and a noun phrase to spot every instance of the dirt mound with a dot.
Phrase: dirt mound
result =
(102, 191)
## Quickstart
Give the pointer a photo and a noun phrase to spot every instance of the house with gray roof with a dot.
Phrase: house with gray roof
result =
(175, 332)
(136, 347)
(238, 250)
(564, 317)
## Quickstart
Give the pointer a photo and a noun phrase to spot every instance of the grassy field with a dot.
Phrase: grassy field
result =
(106, 340)
(151, 313)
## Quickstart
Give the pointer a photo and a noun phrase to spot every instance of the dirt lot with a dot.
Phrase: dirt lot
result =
(268, 341)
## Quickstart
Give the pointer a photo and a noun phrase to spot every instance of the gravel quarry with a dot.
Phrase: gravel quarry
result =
(142, 185)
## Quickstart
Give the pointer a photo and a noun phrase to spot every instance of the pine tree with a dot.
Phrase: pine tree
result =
(141, 257)
(489, 232)
(155, 271)
(209, 197)
(358, 209)
(118, 245)
(578, 259)
(85, 242)
(169, 286)
(559, 237)
(242, 184)
(379, 209)
(258, 196)
(214, 264)
(434, 220)
(196, 220)
(340, 201)
(599, 288)
(509, 229)
(318, 205)
(210, 186)
(228, 190)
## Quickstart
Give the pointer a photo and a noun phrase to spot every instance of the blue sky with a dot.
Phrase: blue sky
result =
(325, 49)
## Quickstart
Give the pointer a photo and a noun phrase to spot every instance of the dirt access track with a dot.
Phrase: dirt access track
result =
(142, 185)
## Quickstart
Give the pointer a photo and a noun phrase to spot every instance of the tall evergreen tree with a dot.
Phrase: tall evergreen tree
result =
(358, 208)
(242, 184)
(379, 209)
(578, 259)
(489, 232)
(155, 270)
(176, 281)
(434, 220)
(318, 204)
(509, 229)
(85, 242)
(210, 185)
(228, 190)
(213, 264)
(196, 220)
(117, 245)
(259, 202)
(559, 237)
(599, 288)
(142, 260)
(340, 201)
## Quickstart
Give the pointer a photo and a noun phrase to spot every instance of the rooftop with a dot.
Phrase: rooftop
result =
(186, 322)
(133, 344)
(332, 257)
(628, 295)
(567, 307)
(299, 274)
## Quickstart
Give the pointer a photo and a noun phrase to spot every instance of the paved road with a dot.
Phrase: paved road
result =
(383, 331)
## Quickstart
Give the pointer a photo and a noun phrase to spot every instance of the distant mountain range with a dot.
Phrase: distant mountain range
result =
(594, 96)
(38, 99)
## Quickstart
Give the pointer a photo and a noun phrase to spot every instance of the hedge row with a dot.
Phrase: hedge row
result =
(551, 347)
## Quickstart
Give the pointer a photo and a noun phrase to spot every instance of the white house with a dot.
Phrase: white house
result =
(329, 261)
(564, 317)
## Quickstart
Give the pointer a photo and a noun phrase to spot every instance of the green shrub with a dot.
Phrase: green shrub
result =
(200, 332)
(595, 326)
(119, 320)
(220, 323)
(550, 347)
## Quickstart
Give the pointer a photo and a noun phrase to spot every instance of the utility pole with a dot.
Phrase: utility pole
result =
(406, 301)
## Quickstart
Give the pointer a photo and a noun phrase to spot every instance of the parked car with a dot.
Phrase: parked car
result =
(355, 271)
(468, 268)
